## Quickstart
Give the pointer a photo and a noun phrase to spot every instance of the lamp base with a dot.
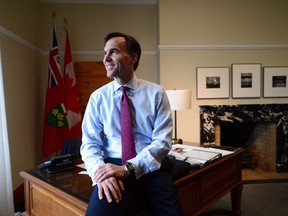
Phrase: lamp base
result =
(177, 141)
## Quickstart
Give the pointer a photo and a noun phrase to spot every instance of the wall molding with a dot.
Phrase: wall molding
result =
(223, 47)
(24, 42)
(100, 53)
(29, 45)
(101, 1)
(20, 40)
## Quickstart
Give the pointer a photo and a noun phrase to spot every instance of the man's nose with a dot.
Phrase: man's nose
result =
(107, 58)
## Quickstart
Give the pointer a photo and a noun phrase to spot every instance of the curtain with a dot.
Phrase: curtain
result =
(6, 194)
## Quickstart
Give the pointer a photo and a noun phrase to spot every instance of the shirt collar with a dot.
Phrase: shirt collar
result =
(132, 84)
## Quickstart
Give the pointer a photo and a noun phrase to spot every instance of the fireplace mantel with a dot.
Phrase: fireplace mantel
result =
(278, 113)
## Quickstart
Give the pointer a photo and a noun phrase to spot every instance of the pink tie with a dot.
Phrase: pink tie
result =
(128, 146)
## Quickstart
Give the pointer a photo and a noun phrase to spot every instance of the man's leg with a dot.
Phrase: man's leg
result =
(130, 205)
(160, 191)
(102, 207)
(126, 207)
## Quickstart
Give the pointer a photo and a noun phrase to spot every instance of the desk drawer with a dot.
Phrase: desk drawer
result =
(189, 197)
(220, 180)
(45, 202)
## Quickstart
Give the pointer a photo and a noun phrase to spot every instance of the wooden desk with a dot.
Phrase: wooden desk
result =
(202, 188)
(67, 193)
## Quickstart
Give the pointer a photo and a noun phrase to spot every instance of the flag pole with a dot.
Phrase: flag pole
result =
(56, 128)
(74, 118)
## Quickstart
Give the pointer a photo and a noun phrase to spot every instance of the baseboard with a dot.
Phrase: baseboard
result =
(259, 181)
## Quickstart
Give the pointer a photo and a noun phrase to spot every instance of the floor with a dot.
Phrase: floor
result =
(265, 193)
(259, 199)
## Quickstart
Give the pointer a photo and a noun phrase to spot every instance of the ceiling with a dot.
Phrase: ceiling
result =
(102, 1)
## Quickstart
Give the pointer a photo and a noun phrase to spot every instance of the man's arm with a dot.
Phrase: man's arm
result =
(150, 158)
(91, 148)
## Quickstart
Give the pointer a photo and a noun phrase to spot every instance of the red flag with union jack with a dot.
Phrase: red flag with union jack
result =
(55, 122)
(72, 104)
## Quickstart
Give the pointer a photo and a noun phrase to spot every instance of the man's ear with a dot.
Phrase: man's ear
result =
(134, 58)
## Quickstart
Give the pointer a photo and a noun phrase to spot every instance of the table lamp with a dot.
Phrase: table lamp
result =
(179, 100)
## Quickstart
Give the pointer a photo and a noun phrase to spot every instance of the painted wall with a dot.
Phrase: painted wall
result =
(25, 38)
(88, 24)
(186, 33)
(217, 34)
(20, 62)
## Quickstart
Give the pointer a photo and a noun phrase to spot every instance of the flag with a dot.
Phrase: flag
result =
(72, 104)
(55, 122)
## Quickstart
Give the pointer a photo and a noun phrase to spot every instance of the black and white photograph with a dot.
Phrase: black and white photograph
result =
(246, 80)
(212, 82)
(279, 81)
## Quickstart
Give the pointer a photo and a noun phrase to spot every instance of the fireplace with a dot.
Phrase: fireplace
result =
(257, 139)
(261, 130)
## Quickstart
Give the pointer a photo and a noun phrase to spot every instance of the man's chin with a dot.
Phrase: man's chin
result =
(110, 74)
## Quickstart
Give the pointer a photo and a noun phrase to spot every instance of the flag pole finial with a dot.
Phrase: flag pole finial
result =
(65, 23)
(53, 16)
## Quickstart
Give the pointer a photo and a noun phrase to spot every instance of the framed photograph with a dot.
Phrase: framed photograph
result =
(246, 80)
(212, 82)
(275, 81)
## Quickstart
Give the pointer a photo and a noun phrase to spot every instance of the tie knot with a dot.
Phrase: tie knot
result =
(123, 89)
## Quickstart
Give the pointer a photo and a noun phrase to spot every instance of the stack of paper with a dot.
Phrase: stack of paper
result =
(197, 155)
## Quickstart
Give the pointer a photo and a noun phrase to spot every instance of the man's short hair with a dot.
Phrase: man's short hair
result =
(132, 45)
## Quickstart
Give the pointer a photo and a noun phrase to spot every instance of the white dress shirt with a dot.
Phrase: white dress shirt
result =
(152, 126)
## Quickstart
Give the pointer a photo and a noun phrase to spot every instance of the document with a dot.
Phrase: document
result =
(197, 155)
(82, 165)
(83, 172)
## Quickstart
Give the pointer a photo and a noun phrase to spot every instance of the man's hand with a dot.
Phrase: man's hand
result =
(108, 178)
(111, 187)
(109, 170)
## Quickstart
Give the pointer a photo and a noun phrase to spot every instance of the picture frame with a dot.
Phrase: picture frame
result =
(246, 80)
(275, 82)
(213, 82)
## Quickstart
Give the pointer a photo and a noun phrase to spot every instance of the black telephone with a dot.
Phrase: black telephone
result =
(58, 163)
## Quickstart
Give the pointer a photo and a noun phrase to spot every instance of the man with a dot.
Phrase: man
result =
(146, 177)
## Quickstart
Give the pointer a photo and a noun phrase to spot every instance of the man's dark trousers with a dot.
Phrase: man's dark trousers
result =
(152, 194)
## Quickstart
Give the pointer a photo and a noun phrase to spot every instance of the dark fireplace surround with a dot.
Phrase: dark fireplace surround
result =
(262, 113)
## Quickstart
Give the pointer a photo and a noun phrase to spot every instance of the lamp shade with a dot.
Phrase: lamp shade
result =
(179, 99)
